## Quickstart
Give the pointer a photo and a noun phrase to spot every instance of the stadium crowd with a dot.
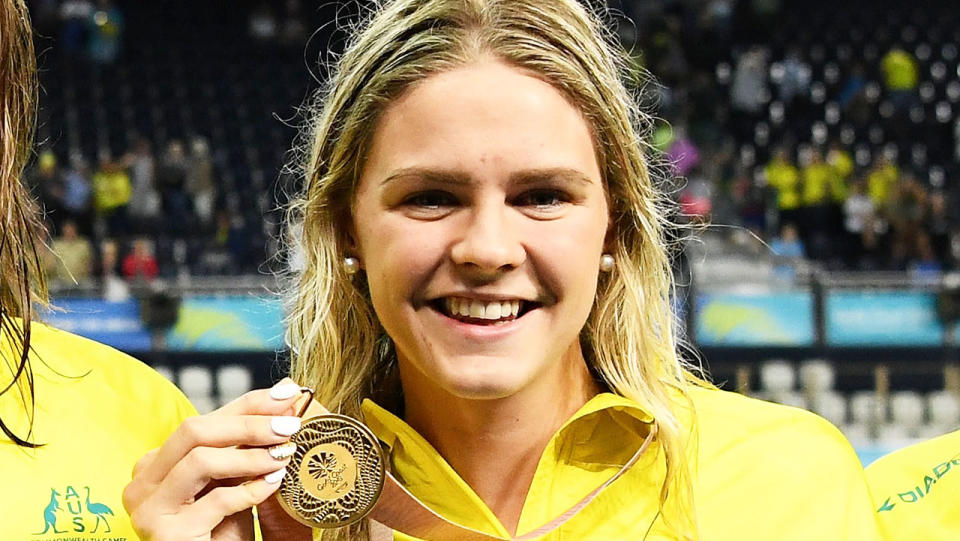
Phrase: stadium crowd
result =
(837, 149)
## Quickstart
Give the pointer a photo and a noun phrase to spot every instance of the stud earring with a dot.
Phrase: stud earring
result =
(606, 262)
(351, 265)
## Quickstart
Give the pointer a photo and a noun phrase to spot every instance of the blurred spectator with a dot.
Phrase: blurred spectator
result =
(73, 34)
(792, 77)
(939, 224)
(71, 255)
(872, 255)
(789, 250)
(140, 263)
(925, 265)
(105, 32)
(822, 192)
(858, 215)
(748, 198)
(881, 182)
(114, 288)
(77, 193)
(682, 152)
(144, 201)
(111, 194)
(230, 243)
(200, 181)
(906, 213)
(821, 184)
(47, 183)
(783, 176)
(900, 76)
(841, 161)
(172, 180)
(748, 91)
(696, 200)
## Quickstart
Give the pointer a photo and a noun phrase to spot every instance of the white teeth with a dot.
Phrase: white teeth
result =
(481, 310)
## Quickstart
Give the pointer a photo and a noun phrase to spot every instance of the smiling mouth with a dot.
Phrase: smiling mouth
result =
(478, 312)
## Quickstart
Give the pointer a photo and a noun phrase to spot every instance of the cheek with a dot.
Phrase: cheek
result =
(396, 259)
(568, 261)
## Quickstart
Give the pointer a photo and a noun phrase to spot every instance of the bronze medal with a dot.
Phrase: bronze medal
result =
(336, 474)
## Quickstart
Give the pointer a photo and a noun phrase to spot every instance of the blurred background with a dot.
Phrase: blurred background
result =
(814, 144)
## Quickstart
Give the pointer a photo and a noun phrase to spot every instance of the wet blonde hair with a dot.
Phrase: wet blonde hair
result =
(21, 279)
(337, 343)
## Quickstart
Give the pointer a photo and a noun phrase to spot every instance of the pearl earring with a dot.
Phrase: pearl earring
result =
(351, 265)
(606, 262)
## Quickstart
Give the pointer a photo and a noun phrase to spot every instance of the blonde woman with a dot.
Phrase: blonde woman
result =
(75, 415)
(484, 282)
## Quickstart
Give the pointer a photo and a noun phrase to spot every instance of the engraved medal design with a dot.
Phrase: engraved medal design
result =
(336, 474)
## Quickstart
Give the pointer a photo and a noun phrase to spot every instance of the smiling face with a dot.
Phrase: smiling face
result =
(480, 220)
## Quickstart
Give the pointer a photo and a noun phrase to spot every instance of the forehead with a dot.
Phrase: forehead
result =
(485, 117)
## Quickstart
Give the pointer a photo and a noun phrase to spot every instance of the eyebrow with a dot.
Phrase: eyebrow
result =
(524, 177)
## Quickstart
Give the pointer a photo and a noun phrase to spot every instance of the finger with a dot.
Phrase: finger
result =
(277, 400)
(210, 510)
(144, 461)
(218, 431)
(205, 464)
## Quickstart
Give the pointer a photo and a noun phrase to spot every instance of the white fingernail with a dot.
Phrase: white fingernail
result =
(275, 477)
(285, 426)
(285, 390)
(282, 451)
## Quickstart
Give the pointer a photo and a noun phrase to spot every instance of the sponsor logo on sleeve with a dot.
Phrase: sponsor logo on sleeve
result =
(923, 487)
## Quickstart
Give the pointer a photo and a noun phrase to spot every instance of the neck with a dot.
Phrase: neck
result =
(495, 444)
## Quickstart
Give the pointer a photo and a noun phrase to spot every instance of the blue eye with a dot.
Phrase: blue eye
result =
(542, 198)
(430, 200)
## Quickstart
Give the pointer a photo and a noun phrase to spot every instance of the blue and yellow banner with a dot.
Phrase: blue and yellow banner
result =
(228, 323)
(762, 319)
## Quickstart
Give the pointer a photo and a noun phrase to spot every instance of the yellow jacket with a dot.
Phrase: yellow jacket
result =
(97, 412)
(762, 472)
(916, 491)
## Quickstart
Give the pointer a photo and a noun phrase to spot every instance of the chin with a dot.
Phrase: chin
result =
(485, 381)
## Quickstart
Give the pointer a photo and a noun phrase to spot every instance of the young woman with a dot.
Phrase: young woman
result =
(75, 415)
(485, 284)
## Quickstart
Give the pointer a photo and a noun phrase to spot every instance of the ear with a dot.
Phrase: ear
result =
(348, 234)
(610, 237)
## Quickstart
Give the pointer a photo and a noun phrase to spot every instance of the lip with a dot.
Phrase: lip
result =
(484, 297)
(471, 331)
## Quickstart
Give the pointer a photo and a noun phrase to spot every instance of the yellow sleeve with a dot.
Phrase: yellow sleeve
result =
(768, 471)
(916, 491)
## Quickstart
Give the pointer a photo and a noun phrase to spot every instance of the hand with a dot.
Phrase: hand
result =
(277, 525)
(201, 484)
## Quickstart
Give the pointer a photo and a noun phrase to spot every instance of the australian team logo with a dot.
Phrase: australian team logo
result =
(68, 512)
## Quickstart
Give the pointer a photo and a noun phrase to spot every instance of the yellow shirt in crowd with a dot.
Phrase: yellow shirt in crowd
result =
(821, 184)
(916, 491)
(111, 189)
(97, 411)
(764, 472)
(880, 184)
(785, 178)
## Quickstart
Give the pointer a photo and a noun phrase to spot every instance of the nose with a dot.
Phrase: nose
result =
(489, 242)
